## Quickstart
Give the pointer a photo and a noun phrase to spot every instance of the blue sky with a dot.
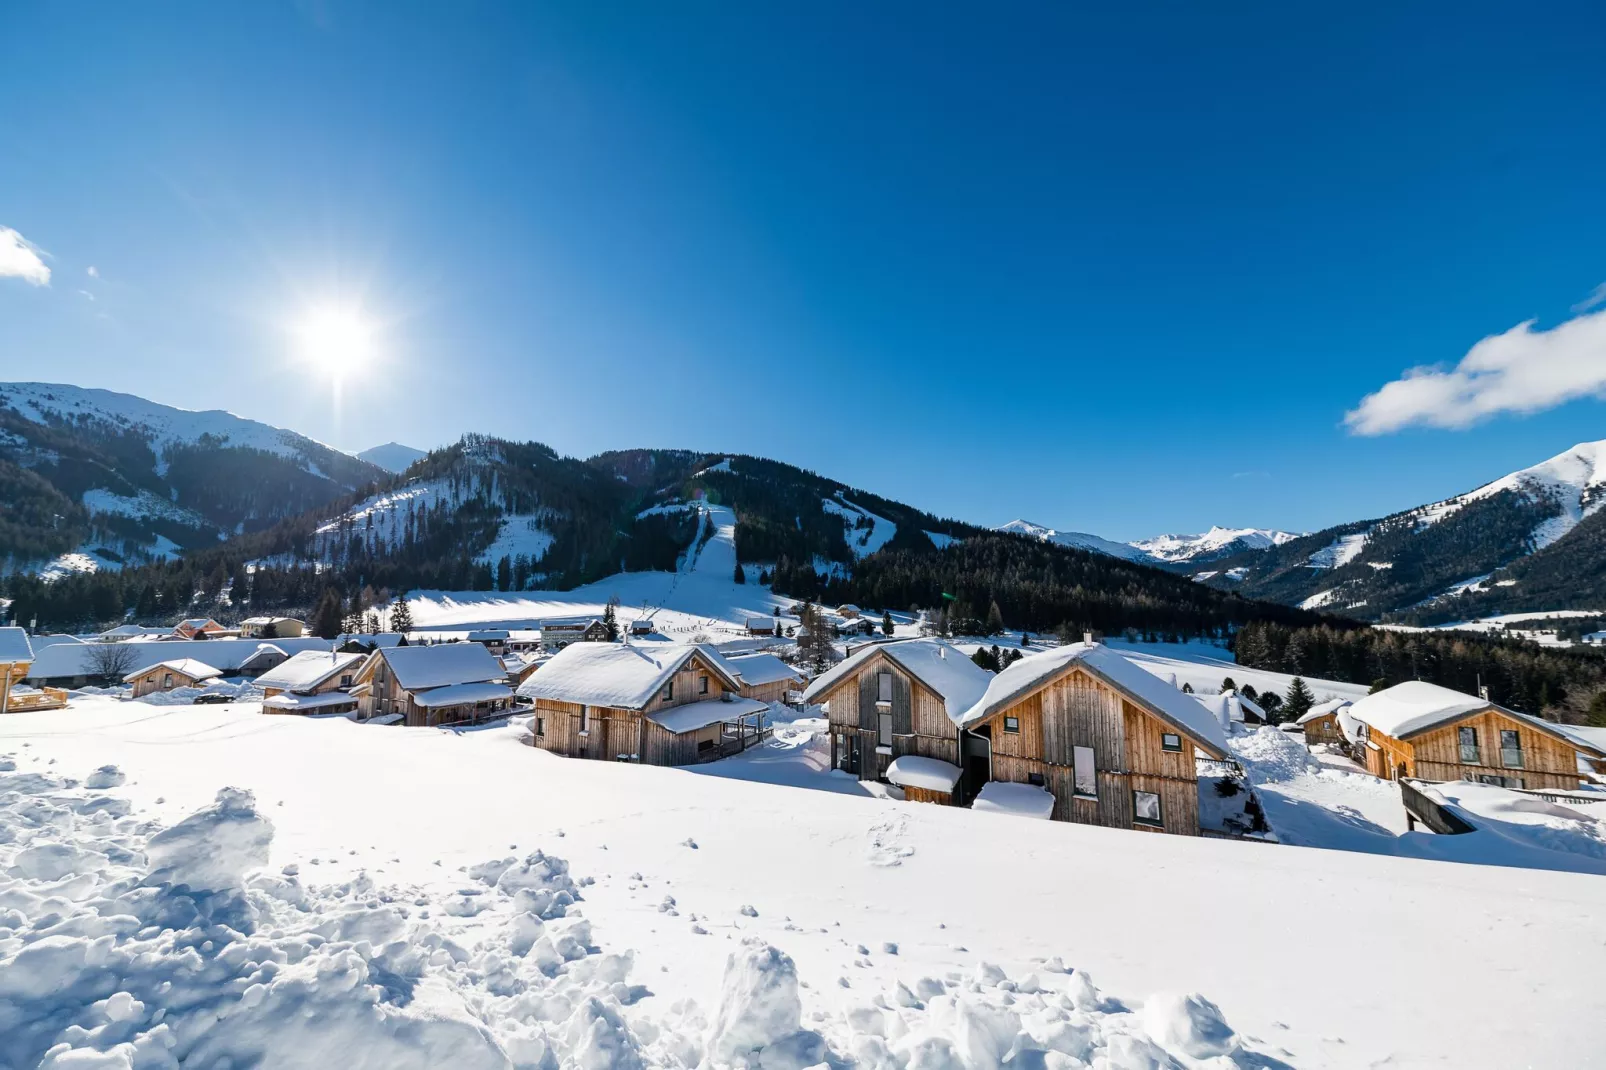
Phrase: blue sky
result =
(1125, 271)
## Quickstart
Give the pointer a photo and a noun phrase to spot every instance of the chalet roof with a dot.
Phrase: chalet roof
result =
(462, 694)
(76, 659)
(756, 669)
(625, 676)
(1322, 709)
(263, 650)
(134, 629)
(268, 620)
(570, 622)
(195, 670)
(14, 646)
(442, 665)
(694, 715)
(308, 669)
(488, 635)
(1230, 706)
(197, 622)
(1136, 683)
(1416, 706)
(938, 665)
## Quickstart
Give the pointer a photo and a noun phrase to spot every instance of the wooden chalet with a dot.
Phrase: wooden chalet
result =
(448, 683)
(1322, 725)
(520, 667)
(492, 639)
(204, 627)
(654, 703)
(762, 625)
(559, 632)
(16, 660)
(265, 657)
(312, 681)
(886, 700)
(765, 677)
(272, 628)
(167, 675)
(1417, 729)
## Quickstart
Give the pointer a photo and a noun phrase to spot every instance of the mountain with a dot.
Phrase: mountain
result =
(92, 479)
(1163, 550)
(1531, 540)
(392, 456)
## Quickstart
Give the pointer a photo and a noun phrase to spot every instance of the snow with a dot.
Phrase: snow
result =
(1319, 599)
(1021, 800)
(940, 540)
(1177, 548)
(1322, 709)
(1204, 665)
(14, 646)
(1078, 540)
(691, 716)
(520, 534)
(145, 505)
(861, 541)
(392, 456)
(290, 702)
(191, 667)
(1036, 670)
(76, 659)
(1340, 552)
(756, 669)
(540, 931)
(1407, 708)
(915, 771)
(1573, 481)
(307, 669)
(941, 666)
(442, 665)
(460, 694)
(621, 675)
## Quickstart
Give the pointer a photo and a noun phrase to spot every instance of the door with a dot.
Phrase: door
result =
(978, 764)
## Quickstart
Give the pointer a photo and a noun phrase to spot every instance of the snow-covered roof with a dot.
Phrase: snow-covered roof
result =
(488, 635)
(759, 623)
(134, 629)
(931, 774)
(1022, 800)
(381, 640)
(197, 622)
(1322, 709)
(462, 694)
(14, 646)
(306, 670)
(195, 670)
(1408, 708)
(937, 664)
(757, 669)
(268, 620)
(289, 700)
(264, 650)
(1585, 736)
(569, 622)
(695, 715)
(441, 665)
(39, 642)
(74, 659)
(1143, 687)
(625, 676)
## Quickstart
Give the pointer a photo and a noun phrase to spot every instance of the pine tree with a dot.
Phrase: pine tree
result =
(401, 615)
(326, 622)
(610, 619)
(995, 618)
(1299, 700)
(741, 576)
(886, 622)
(1227, 685)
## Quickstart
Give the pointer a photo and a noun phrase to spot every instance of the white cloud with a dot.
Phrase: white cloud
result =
(1520, 371)
(19, 259)
(94, 272)
(87, 294)
(1596, 297)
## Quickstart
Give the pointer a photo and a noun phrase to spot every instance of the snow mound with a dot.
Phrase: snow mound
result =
(759, 1010)
(212, 849)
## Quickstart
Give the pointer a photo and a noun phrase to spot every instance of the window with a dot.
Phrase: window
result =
(669, 691)
(884, 730)
(1146, 808)
(1467, 736)
(1170, 741)
(1510, 749)
(1086, 780)
(1035, 779)
(1011, 724)
(883, 687)
(167, 680)
(540, 726)
(702, 685)
(345, 681)
(585, 719)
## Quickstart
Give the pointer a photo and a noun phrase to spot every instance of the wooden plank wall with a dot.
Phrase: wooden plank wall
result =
(920, 723)
(1324, 729)
(1547, 761)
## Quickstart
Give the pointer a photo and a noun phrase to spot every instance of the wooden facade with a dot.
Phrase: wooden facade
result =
(1324, 729)
(380, 693)
(272, 628)
(1541, 758)
(611, 733)
(163, 677)
(919, 722)
(12, 674)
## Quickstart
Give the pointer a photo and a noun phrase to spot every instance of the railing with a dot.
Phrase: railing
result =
(1218, 767)
(45, 698)
(1432, 813)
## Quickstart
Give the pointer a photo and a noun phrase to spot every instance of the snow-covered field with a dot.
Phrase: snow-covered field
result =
(389, 897)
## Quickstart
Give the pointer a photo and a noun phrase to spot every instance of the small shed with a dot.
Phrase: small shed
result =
(929, 780)
(642, 626)
(167, 675)
(265, 657)
(761, 625)
(1321, 723)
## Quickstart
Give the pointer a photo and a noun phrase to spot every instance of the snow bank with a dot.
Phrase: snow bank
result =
(1022, 800)
(932, 774)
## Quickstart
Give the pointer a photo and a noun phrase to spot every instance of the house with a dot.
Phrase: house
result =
(78, 664)
(857, 626)
(16, 658)
(492, 639)
(1230, 707)
(430, 685)
(559, 632)
(1422, 730)
(1110, 742)
(889, 699)
(312, 681)
(1321, 723)
(1591, 749)
(761, 625)
(642, 626)
(167, 675)
(266, 656)
(131, 631)
(765, 677)
(520, 666)
(659, 704)
(849, 611)
(198, 626)
(272, 628)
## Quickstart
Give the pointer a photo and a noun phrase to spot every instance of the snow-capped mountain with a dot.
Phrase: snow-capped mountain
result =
(1078, 540)
(95, 479)
(1163, 549)
(392, 456)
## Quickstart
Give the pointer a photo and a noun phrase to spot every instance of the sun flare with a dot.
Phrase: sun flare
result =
(340, 341)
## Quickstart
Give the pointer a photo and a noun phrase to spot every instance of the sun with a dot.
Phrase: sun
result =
(339, 341)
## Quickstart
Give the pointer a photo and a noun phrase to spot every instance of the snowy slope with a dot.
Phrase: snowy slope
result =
(392, 456)
(1079, 540)
(866, 533)
(1575, 481)
(386, 930)
(1213, 543)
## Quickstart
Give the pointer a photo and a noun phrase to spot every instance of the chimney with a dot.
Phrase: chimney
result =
(1087, 637)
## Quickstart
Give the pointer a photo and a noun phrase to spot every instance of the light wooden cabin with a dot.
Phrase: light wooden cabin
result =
(1421, 730)
(16, 661)
(272, 628)
(168, 675)
(1113, 744)
(765, 677)
(312, 681)
(189, 629)
(890, 699)
(448, 683)
(657, 704)
(1321, 724)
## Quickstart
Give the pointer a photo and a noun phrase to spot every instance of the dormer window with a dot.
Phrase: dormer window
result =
(702, 685)
(669, 691)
